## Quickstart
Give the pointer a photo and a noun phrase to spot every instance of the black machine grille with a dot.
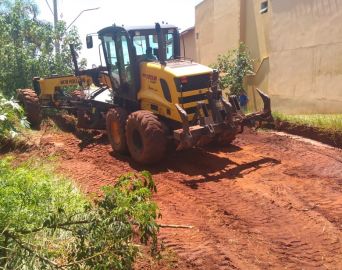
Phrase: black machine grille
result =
(193, 83)
(166, 90)
(191, 110)
(193, 98)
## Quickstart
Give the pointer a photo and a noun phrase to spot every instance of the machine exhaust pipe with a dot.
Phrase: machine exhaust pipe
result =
(161, 43)
(74, 59)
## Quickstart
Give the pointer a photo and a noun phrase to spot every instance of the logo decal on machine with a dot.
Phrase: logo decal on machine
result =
(68, 82)
(151, 78)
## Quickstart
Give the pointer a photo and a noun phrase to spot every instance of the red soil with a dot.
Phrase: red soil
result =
(267, 202)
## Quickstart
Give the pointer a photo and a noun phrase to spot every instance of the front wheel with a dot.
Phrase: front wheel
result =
(146, 137)
(116, 124)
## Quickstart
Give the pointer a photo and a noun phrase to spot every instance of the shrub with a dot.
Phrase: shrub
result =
(46, 223)
(233, 67)
(11, 118)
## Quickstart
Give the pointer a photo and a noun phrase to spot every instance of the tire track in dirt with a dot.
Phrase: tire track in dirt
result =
(308, 238)
(267, 202)
(245, 214)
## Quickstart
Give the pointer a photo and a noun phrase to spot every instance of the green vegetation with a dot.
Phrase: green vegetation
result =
(12, 119)
(332, 122)
(27, 46)
(46, 223)
(233, 67)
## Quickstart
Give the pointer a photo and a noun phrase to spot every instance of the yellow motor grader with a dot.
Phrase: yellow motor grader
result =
(146, 96)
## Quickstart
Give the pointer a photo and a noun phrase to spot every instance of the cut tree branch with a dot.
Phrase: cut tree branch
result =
(175, 226)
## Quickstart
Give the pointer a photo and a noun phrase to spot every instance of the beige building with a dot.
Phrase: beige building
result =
(188, 44)
(297, 45)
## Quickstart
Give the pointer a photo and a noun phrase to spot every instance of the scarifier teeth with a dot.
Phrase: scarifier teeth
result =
(266, 100)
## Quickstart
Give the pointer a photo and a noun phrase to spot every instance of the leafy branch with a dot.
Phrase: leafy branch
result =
(12, 118)
(233, 67)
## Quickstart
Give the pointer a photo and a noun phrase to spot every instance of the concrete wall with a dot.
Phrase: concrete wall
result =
(297, 46)
(188, 44)
(217, 28)
(255, 30)
(306, 56)
(255, 34)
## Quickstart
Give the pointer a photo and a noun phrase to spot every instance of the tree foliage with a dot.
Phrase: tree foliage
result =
(233, 67)
(45, 223)
(12, 118)
(27, 46)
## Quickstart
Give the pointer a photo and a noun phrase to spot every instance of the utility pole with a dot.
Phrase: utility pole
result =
(55, 20)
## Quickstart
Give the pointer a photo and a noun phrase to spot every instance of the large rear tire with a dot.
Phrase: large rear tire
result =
(30, 101)
(146, 137)
(116, 125)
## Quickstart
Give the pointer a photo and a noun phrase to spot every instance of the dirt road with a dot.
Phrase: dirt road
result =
(267, 202)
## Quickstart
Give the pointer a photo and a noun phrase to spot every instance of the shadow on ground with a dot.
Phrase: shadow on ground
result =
(203, 164)
(209, 164)
(238, 171)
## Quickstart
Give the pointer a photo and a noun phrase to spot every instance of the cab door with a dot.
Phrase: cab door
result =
(120, 62)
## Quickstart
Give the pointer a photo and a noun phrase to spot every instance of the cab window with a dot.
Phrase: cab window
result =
(112, 59)
(153, 41)
(125, 65)
(142, 41)
(140, 44)
(169, 46)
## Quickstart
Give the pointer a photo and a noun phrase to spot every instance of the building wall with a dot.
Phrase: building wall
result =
(297, 46)
(255, 34)
(255, 30)
(188, 44)
(217, 28)
(306, 56)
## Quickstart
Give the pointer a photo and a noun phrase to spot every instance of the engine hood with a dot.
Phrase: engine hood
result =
(179, 68)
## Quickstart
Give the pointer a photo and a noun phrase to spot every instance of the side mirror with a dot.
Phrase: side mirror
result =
(89, 40)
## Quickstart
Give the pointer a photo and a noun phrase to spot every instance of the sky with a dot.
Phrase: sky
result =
(124, 12)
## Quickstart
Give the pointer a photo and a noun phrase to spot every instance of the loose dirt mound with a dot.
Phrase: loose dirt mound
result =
(325, 136)
(268, 202)
(7, 145)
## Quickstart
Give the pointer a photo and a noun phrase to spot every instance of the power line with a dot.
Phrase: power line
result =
(55, 23)
(49, 6)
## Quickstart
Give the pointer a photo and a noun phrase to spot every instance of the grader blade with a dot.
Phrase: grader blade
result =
(266, 100)
(263, 116)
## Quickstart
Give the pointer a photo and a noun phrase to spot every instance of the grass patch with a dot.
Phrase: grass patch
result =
(47, 223)
(31, 197)
(330, 122)
(31, 192)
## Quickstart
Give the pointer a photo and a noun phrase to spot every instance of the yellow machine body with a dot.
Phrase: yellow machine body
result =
(47, 87)
(151, 94)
